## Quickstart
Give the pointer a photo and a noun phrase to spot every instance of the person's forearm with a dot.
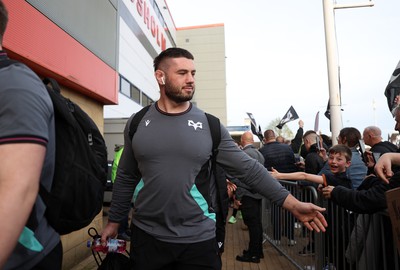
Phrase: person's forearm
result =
(18, 191)
(394, 158)
(301, 176)
(292, 176)
(19, 201)
(290, 203)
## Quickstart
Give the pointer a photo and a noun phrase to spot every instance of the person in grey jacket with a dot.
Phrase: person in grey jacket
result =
(173, 222)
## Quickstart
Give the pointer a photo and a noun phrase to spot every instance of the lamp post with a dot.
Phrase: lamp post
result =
(332, 63)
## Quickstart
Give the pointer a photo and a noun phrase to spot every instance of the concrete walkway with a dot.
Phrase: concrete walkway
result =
(236, 241)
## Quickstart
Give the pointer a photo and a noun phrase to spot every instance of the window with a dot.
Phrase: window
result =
(146, 100)
(125, 87)
(134, 93)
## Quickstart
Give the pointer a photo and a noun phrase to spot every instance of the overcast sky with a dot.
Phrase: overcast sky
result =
(276, 58)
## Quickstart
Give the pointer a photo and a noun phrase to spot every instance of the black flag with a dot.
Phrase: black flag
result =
(289, 116)
(393, 89)
(253, 126)
(328, 111)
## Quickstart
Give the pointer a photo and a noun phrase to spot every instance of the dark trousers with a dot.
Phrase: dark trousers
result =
(234, 212)
(52, 261)
(251, 212)
(148, 253)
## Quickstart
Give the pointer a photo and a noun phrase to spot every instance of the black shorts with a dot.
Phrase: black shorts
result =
(52, 261)
(149, 253)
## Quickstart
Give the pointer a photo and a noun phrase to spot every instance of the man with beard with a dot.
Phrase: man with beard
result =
(173, 221)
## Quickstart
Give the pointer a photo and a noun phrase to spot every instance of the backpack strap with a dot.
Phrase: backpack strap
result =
(220, 183)
(136, 120)
(215, 128)
(53, 84)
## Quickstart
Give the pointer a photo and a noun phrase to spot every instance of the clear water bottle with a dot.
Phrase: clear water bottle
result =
(113, 245)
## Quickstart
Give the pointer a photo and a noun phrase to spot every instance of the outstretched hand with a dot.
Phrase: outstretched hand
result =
(309, 214)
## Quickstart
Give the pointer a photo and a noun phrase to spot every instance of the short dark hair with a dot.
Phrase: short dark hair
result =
(269, 134)
(171, 53)
(3, 20)
(351, 134)
(341, 149)
(308, 132)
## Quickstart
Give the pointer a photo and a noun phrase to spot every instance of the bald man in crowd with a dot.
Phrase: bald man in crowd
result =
(247, 143)
(372, 136)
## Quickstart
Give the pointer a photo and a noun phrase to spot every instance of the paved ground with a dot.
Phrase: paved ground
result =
(236, 241)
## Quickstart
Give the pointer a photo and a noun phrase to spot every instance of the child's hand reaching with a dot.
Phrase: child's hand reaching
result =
(274, 173)
(326, 191)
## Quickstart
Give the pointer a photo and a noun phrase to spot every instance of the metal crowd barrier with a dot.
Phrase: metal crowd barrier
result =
(352, 241)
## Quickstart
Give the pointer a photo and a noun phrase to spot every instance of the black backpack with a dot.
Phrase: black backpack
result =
(115, 261)
(80, 175)
(218, 172)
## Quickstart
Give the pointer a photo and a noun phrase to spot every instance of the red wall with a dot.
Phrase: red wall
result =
(35, 40)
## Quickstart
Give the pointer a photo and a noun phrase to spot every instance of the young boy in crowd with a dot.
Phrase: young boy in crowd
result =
(339, 159)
